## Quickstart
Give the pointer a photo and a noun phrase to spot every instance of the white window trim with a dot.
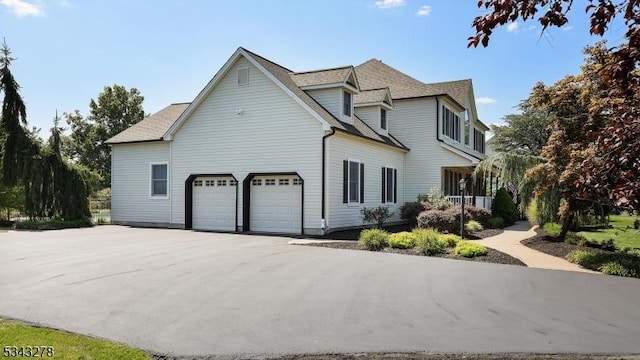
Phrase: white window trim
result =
(355, 203)
(158, 197)
(460, 125)
(393, 185)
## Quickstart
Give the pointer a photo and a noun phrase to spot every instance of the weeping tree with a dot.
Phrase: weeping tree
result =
(52, 187)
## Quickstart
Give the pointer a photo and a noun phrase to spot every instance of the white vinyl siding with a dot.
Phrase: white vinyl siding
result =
(374, 156)
(414, 121)
(371, 115)
(273, 134)
(330, 99)
(131, 185)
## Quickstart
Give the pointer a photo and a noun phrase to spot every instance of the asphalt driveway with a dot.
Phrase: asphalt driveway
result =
(183, 292)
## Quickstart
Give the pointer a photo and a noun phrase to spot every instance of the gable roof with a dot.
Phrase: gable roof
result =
(374, 74)
(152, 127)
(373, 96)
(338, 75)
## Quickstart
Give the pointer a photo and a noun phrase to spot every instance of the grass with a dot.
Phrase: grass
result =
(65, 345)
(622, 233)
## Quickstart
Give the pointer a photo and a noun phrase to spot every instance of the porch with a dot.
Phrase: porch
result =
(477, 193)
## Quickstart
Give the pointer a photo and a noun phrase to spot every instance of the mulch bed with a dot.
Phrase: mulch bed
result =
(354, 234)
(548, 244)
(493, 256)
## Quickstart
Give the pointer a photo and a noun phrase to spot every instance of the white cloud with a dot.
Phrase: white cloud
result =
(388, 4)
(424, 11)
(23, 8)
(485, 100)
(513, 27)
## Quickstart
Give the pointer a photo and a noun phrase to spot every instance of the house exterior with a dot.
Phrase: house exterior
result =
(266, 149)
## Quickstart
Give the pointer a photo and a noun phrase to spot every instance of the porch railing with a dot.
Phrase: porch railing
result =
(481, 201)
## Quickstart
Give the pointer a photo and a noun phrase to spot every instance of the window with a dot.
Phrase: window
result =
(383, 119)
(159, 180)
(283, 182)
(353, 182)
(346, 103)
(297, 181)
(209, 182)
(233, 183)
(467, 122)
(256, 182)
(243, 76)
(222, 182)
(450, 124)
(270, 182)
(197, 183)
(389, 185)
(478, 141)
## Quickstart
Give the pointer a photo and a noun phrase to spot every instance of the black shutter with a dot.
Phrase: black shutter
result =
(361, 183)
(395, 186)
(345, 181)
(384, 184)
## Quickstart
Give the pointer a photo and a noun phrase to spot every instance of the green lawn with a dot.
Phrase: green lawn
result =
(622, 233)
(60, 344)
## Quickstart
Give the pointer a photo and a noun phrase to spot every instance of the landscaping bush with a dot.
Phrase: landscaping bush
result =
(402, 240)
(619, 264)
(531, 212)
(574, 239)
(472, 226)
(6, 223)
(441, 220)
(409, 211)
(52, 224)
(427, 241)
(378, 215)
(480, 215)
(552, 229)
(607, 245)
(496, 222)
(470, 249)
(504, 207)
(449, 240)
(436, 198)
(373, 239)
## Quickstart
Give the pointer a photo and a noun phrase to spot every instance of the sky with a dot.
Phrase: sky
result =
(67, 51)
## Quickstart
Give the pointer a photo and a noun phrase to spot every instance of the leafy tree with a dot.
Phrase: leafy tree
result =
(14, 116)
(605, 164)
(115, 110)
(52, 188)
(524, 133)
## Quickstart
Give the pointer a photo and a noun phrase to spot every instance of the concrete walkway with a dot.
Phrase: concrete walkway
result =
(509, 243)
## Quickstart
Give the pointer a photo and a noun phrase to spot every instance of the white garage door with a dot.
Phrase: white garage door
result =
(276, 204)
(214, 203)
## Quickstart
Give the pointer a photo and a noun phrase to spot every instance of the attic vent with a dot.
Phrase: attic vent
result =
(243, 76)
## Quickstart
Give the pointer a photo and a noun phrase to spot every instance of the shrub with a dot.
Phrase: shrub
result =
(373, 239)
(480, 215)
(495, 223)
(470, 249)
(449, 240)
(531, 213)
(378, 215)
(574, 239)
(472, 226)
(52, 224)
(619, 264)
(552, 229)
(427, 241)
(410, 211)
(441, 220)
(402, 240)
(436, 198)
(504, 207)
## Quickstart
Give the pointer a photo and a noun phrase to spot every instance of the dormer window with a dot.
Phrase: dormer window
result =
(383, 119)
(346, 110)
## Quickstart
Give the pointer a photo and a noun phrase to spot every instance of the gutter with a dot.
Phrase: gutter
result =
(324, 175)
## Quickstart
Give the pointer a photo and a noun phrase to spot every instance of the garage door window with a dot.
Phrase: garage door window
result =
(159, 180)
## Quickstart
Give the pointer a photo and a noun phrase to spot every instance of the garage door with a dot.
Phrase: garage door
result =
(276, 204)
(214, 203)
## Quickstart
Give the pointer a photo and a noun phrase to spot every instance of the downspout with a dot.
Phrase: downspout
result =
(324, 176)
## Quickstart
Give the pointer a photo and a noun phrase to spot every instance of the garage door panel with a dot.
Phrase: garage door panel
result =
(276, 204)
(214, 203)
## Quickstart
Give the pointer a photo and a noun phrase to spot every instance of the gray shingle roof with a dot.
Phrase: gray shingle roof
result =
(321, 77)
(374, 74)
(370, 96)
(152, 127)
